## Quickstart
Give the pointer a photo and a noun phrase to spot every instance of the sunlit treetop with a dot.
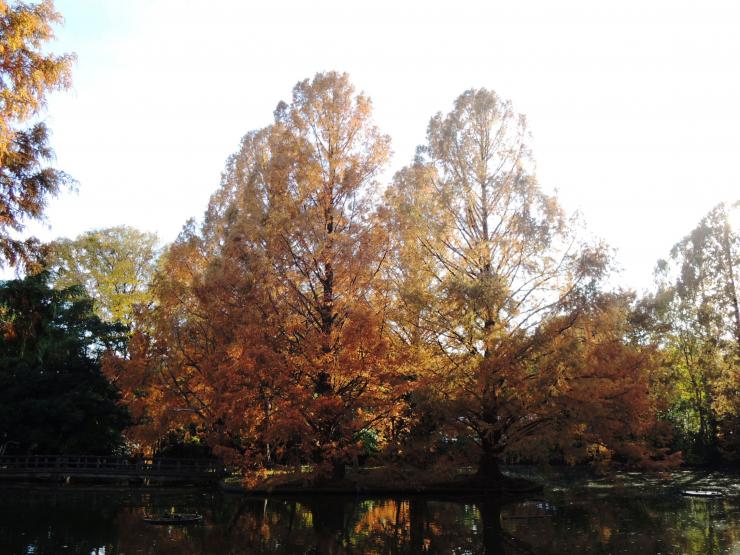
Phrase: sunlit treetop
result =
(27, 75)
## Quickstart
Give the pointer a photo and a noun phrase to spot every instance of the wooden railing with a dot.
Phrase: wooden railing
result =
(111, 466)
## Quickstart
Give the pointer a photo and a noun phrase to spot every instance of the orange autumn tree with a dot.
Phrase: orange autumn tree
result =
(587, 384)
(490, 280)
(29, 73)
(291, 233)
(202, 359)
(304, 316)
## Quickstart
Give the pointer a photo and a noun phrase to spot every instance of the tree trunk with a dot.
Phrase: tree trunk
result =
(490, 516)
(338, 469)
(488, 464)
(418, 517)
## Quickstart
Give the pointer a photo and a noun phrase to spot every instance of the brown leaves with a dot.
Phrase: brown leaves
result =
(28, 73)
(265, 325)
(306, 322)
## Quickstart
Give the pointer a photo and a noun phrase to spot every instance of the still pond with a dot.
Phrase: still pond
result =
(622, 514)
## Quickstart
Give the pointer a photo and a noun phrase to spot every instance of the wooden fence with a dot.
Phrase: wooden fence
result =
(90, 466)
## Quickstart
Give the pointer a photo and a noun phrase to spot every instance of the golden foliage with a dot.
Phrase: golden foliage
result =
(28, 74)
(309, 319)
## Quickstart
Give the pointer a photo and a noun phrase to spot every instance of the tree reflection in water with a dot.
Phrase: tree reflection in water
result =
(71, 521)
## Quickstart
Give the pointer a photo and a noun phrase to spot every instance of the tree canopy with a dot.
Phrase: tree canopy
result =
(311, 318)
(265, 325)
(695, 317)
(53, 396)
(455, 316)
(115, 266)
(28, 73)
(496, 289)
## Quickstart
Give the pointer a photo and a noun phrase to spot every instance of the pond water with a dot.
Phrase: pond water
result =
(627, 516)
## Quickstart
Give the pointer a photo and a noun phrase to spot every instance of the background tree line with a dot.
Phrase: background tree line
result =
(455, 315)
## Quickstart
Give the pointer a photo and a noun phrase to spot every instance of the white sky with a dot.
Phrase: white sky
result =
(633, 105)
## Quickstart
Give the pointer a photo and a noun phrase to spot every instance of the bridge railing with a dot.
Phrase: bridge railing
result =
(109, 465)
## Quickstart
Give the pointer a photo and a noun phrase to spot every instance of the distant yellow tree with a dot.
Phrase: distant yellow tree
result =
(114, 265)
